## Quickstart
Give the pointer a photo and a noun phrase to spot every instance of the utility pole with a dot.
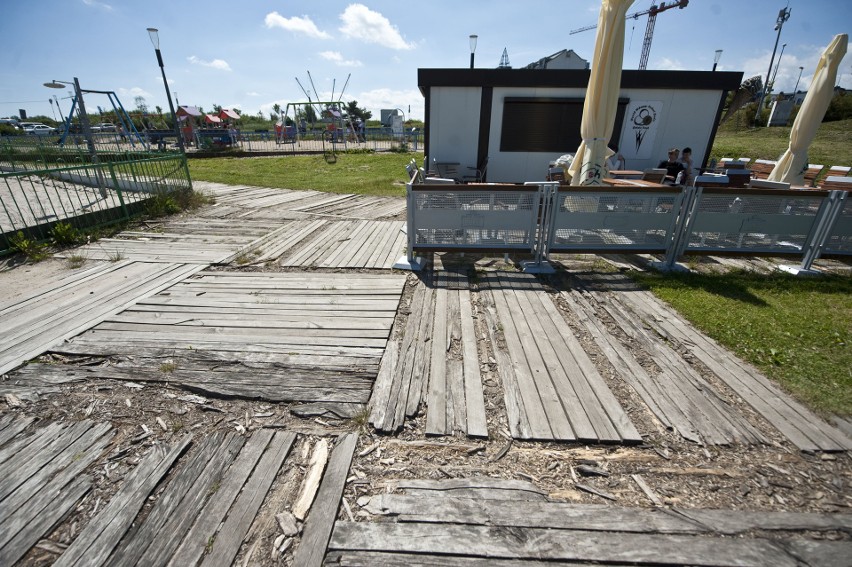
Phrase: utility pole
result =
(783, 16)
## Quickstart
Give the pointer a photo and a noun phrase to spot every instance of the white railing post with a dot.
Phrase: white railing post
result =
(409, 262)
(823, 225)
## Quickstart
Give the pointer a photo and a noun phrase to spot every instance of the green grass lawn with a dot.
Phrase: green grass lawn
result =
(796, 330)
(831, 146)
(361, 173)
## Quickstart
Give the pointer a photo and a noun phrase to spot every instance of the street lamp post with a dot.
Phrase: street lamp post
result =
(796, 88)
(783, 16)
(155, 40)
(777, 65)
(473, 38)
(716, 58)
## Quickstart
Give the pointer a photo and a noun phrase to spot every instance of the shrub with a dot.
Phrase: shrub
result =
(65, 234)
(32, 249)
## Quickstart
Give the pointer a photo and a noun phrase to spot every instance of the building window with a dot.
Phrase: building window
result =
(549, 125)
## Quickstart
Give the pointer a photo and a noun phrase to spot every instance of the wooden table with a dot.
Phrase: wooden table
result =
(637, 183)
(626, 174)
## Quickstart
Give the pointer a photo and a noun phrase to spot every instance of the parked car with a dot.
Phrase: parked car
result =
(41, 130)
(104, 127)
(11, 122)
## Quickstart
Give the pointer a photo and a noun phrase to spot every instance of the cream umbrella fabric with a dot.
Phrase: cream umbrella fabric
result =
(601, 104)
(792, 165)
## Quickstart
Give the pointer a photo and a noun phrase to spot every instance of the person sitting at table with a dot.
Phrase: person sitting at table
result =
(686, 160)
(615, 162)
(672, 165)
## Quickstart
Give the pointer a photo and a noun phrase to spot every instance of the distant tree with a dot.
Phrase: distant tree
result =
(276, 108)
(159, 110)
(273, 116)
(141, 105)
(354, 111)
(217, 108)
(747, 92)
(840, 107)
(310, 113)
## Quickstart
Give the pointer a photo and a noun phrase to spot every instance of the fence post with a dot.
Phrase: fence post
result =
(118, 190)
(682, 227)
(409, 262)
(827, 217)
(542, 216)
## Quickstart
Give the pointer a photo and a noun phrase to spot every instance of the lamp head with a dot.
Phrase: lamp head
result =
(718, 56)
(473, 39)
(154, 34)
(54, 85)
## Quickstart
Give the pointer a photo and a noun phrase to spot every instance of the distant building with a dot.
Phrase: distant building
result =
(565, 59)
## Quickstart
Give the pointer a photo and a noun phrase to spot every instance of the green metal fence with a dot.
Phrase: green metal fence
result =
(89, 195)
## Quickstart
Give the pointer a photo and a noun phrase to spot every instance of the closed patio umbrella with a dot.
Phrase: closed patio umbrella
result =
(792, 165)
(601, 104)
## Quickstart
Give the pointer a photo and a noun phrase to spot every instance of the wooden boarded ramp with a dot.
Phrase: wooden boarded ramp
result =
(436, 361)
(552, 389)
(275, 336)
(351, 244)
(801, 426)
(42, 478)
(677, 395)
(270, 203)
(49, 315)
(466, 522)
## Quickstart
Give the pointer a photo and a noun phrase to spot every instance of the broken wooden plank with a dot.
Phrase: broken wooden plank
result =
(322, 516)
(310, 484)
(102, 534)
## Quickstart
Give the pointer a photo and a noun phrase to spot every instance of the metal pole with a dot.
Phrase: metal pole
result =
(87, 133)
(171, 105)
(796, 88)
(777, 65)
(783, 16)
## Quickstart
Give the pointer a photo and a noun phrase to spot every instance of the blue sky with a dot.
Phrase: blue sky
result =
(249, 54)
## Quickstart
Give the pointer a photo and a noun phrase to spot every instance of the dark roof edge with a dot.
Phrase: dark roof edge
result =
(576, 78)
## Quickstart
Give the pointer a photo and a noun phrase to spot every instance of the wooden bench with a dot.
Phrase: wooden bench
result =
(761, 168)
(812, 173)
(837, 182)
(835, 171)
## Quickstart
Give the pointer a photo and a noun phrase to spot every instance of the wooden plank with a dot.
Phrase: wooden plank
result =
(389, 559)
(321, 519)
(573, 545)
(163, 529)
(379, 404)
(455, 367)
(101, 535)
(519, 425)
(422, 352)
(473, 395)
(436, 400)
(13, 425)
(25, 448)
(532, 406)
(204, 529)
(241, 515)
(57, 507)
(480, 487)
(310, 484)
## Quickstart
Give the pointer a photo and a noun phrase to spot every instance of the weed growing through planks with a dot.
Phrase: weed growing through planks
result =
(33, 250)
(115, 255)
(75, 261)
(168, 367)
(65, 234)
(362, 418)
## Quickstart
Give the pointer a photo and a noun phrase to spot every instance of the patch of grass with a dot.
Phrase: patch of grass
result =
(360, 173)
(162, 204)
(75, 261)
(832, 144)
(168, 367)
(795, 330)
(32, 249)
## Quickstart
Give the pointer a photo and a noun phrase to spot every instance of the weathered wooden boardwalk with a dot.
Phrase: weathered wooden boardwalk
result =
(60, 310)
(266, 203)
(481, 522)
(435, 361)
(351, 244)
(207, 511)
(552, 389)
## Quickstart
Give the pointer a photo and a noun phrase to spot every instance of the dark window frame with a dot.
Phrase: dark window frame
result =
(548, 124)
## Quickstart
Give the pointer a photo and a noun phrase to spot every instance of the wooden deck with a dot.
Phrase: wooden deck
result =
(268, 203)
(483, 522)
(351, 244)
(210, 505)
(552, 389)
(304, 337)
(49, 315)
(435, 361)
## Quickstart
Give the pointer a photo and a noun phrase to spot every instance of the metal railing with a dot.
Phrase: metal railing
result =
(538, 218)
(86, 196)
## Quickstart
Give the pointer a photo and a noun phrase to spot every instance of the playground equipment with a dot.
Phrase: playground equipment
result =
(126, 124)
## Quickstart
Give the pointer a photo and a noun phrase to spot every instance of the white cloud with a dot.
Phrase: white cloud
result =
(359, 22)
(295, 24)
(252, 93)
(377, 99)
(337, 58)
(96, 4)
(666, 64)
(134, 92)
(220, 64)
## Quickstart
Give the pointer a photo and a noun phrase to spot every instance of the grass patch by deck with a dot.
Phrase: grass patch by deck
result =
(795, 330)
(361, 173)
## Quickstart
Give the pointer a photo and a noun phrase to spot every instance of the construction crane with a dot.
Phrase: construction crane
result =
(649, 30)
